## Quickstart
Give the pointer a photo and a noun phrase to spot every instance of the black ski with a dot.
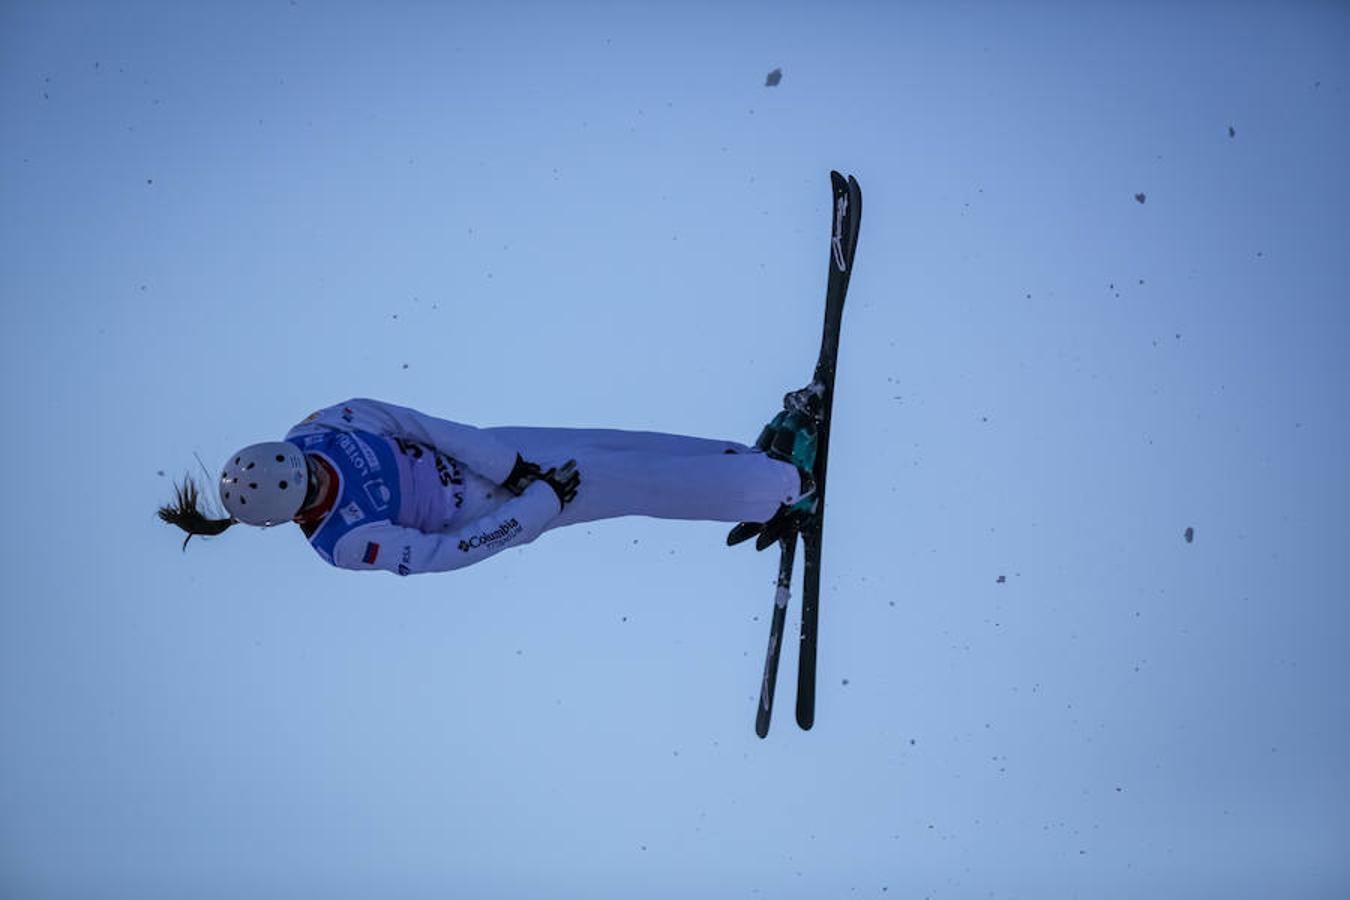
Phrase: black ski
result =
(816, 399)
(776, 628)
(843, 245)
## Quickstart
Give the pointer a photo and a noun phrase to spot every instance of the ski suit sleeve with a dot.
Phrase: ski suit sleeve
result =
(474, 447)
(410, 551)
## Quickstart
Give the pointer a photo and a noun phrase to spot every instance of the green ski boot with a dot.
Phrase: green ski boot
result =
(791, 437)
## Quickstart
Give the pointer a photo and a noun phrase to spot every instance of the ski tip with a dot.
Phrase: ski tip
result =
(845, 181)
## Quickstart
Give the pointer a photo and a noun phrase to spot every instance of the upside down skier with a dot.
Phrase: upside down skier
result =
(376, 486)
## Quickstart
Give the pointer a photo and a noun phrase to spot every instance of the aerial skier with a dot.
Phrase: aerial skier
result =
(376, 486)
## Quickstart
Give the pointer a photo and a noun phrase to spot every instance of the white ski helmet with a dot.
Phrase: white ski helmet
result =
(264, 484)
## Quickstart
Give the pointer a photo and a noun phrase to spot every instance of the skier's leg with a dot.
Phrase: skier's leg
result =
(669, 476)
(540, 442)
(721, 488)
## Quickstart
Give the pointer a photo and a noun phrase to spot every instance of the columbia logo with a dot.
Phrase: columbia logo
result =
(501, 532)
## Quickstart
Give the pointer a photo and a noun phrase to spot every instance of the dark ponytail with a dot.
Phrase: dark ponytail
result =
(184, 513)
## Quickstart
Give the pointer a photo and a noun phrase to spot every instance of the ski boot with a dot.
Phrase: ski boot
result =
(809, 401)
(790, 437)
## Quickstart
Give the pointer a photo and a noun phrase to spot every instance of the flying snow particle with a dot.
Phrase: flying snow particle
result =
(1140, 197)
(772, 79)
(1190, 535)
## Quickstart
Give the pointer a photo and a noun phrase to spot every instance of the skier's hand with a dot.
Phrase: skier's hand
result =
(782, 525)
(522, 476)
(785, 525)
(564, 481)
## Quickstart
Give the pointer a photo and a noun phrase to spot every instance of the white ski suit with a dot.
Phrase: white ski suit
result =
(418, 493)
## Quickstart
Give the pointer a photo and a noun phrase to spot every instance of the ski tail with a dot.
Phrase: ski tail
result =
(777, 626)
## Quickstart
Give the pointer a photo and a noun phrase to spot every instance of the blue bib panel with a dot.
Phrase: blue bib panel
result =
(368, 482)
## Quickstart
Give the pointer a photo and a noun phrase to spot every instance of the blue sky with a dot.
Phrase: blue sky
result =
(215, 218)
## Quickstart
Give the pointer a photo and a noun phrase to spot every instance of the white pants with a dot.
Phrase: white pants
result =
(666, 476)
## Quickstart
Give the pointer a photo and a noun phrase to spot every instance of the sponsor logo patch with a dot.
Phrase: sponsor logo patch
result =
(351, 513)
(502, 532)
(379, 494)
(405, 560)
(372, 553)
(361, 456)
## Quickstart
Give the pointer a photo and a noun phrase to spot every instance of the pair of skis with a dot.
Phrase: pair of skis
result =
(816, 399)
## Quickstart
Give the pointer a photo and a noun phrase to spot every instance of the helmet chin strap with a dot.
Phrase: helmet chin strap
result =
(313, 483)
(318, 490)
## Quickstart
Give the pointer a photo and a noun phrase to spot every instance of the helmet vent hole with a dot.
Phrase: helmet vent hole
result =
(280, 458)
(243, 499)
(283, 485)
(250, 465)
(253, 485)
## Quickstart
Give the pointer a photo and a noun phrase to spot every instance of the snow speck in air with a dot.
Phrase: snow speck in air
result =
(772, 79)
(1190, 535)
(1140, 197)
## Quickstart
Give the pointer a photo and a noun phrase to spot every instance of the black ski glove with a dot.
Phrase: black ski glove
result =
(564, 481)
(784, 524)
(523, 474)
